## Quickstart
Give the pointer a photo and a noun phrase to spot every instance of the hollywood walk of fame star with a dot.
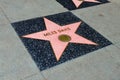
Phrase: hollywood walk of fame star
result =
(79, 2)
(60, 36)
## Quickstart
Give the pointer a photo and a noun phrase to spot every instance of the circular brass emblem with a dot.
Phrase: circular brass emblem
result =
(80, 0)
(64, 38)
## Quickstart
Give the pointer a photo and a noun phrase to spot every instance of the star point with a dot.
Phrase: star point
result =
(79, 2)
(60, 36)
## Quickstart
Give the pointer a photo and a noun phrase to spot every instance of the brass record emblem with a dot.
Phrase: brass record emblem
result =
(64, 38)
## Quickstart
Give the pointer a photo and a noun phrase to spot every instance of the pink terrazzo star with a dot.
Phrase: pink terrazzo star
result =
(79, 2)
(60, 36)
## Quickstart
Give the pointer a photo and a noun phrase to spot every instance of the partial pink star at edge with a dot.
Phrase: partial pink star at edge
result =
(79, 2)
(57, 45)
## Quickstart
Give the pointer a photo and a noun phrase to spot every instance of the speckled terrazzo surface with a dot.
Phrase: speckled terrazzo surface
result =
(71, 6)
(41, 50)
